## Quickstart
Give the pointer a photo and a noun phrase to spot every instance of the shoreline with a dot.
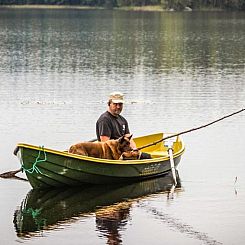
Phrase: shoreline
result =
(46, 6)
(149, 8)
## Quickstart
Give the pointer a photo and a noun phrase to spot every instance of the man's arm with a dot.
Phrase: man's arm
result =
(104, 138)
(132, 143)
(103, 130)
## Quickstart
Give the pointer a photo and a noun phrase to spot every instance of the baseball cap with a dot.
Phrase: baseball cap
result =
(116, 97)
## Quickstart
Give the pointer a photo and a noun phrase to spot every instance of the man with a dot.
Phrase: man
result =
(111, 125)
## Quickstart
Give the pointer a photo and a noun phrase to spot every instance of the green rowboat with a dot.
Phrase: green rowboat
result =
(46, 167)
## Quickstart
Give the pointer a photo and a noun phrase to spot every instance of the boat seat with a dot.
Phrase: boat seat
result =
(155, 154)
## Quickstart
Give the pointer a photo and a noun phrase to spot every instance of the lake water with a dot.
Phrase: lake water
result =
(177, 70)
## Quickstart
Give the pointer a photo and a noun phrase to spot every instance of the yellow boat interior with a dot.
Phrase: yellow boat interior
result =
(159, 149)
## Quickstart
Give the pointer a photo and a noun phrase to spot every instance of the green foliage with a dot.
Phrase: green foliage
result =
(234, 4)
(178, 4)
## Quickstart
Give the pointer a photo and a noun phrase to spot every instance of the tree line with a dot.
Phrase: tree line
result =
(166, 4)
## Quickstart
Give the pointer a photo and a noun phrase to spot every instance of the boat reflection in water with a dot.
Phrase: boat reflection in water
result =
(47, 209)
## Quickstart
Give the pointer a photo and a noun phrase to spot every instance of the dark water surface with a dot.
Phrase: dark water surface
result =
(177, 70)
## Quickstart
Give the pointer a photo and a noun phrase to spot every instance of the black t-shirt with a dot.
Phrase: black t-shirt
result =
(111, 126)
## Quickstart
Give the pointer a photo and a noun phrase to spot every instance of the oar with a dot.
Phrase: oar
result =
(190, 130)
(171, 159)
(10, 174)
(169, 144)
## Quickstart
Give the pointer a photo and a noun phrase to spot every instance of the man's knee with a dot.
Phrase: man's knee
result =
(145, 155)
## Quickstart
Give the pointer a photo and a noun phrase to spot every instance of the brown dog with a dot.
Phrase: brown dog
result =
(110, 149)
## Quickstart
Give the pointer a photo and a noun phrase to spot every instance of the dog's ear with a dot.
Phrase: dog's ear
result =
(130, 136)
(122, 138)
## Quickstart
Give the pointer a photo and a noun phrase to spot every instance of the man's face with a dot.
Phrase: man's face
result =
(115, 108)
